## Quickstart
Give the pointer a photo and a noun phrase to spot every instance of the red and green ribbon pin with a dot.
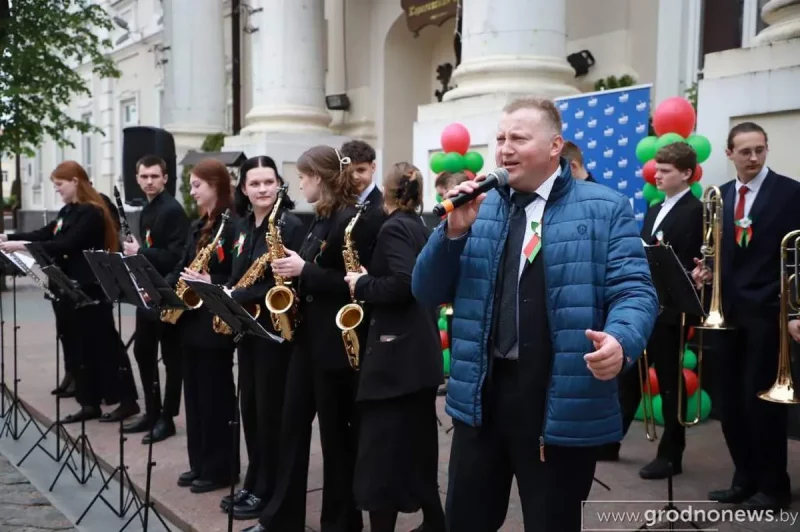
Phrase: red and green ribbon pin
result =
(743, 232)
(533, 246)
(220, 250)
(148, 240)
(239, 243)
(59, 225)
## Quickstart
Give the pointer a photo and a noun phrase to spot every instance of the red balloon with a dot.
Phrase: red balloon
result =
(470, 174)
(444, 338)
(691, 333)
(691, 382)
(649, 171)
(674, 115)
(653, 383)
(455, 138)
(698, 174)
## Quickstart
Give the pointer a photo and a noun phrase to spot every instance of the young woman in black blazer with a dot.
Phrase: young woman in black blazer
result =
(262, 363)
(398, 445)
(320, 380)
(208, 388)
(93, 351)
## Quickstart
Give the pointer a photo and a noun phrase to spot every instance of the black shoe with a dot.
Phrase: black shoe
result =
(67, 392)
(204, 486)
(761, 501)
(84, 414)
(123, 411)
(65, 383)
(250, 508)
(732, 495)
(164, 429)
(238, 497)
(255, 528)
(186, 479)
(140, 424)
(659, 469)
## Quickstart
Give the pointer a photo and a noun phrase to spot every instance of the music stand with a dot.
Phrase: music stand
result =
(241, 322)
(676, 292)
(118, 286)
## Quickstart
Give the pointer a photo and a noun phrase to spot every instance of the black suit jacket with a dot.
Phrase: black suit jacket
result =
(682, 229)
(163, 230)
(751, 283)
(403, 350)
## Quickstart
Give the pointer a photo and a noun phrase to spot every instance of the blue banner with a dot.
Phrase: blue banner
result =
(607, 126)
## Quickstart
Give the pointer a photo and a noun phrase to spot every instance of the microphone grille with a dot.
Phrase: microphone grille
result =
(502, 176)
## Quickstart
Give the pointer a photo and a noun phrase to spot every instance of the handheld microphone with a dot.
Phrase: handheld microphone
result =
(496, 178)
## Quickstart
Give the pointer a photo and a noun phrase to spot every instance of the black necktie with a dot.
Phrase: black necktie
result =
(506, 334)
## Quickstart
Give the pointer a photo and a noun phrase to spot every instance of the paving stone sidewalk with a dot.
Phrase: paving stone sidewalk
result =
(23, 508)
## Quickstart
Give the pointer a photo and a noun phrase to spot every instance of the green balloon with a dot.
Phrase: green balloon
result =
(697, 190)
(639, 415)
(701, 145)
(438, 198)
(668, 138)
(650, 192)
(658, 413)
(453, 162)
(437, 162)
(689, 359)
(691, 406)
(446, 360)
(646, 149)
(655, 202)
(473, 161)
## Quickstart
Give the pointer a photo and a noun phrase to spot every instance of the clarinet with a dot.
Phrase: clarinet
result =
(123, 218)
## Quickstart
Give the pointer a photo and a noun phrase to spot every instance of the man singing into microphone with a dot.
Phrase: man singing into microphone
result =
(552, 299)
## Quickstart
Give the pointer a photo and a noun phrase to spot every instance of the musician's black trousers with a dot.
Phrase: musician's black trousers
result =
(150, 330)
(262, 381)
(755, 430)
(662, 352)
(210, 401)
(330, 395)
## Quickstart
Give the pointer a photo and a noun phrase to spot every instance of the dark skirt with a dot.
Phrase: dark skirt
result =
(398, 452)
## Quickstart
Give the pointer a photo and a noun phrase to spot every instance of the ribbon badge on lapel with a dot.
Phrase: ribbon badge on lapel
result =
(239, 243)
(221, 250)
(533, 246)
(660, 237)
(148, 240)
(743, 232)
(59, 225)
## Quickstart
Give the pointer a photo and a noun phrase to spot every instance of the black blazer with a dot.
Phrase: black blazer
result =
(322, 288)
(77, 228)
(751, 282)
(163, 230)
(253, 246)
(403, 350)
(196, 325)
(682, 229)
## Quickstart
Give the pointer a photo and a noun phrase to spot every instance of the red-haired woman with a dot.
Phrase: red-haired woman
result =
(208, 389)
(88, 333)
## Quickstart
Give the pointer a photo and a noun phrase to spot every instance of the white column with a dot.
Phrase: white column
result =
(677, 47)
(194, 95)
(783, 17)
(513, 47)
(288, 69)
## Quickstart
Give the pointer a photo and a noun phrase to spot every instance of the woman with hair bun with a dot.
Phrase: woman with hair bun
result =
(398, 446)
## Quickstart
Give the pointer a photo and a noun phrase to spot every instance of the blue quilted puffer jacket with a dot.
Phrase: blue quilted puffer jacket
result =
(597, 278)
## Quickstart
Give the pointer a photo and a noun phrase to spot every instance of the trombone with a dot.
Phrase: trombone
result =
(648, 415)
(783, 391)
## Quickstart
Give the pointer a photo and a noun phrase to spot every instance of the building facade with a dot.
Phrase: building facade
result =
(395, 72)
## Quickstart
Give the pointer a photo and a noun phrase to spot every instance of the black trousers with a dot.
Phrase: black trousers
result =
(150, 331)
(262, 382)
(330, 395)
(755, 430)
(484, 460)
(210, 401)
(663, 353)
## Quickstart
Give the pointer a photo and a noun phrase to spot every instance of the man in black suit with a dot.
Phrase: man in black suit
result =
(163, 229)
(572, 153)
(677, 222)
(759, 208)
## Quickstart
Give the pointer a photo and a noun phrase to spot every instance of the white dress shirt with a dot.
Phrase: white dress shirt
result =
(667, 206)
(753, 186)
(366, 192)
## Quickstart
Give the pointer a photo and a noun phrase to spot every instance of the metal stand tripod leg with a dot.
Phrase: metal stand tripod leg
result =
(234, 450)
(4, 391)
(670, 509)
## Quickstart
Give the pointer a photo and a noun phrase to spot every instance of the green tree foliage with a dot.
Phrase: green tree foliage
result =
(212, 143)
(41, 44)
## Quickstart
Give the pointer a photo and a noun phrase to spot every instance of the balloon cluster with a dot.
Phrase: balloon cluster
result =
(653, 402)
(673, 121)
(455, 156)
(445, 339)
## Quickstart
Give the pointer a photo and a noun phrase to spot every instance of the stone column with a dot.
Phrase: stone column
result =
(513, 47)
(783, 17)
(194, 95)
(288, 69)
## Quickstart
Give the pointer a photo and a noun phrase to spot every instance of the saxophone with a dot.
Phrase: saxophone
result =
(253, 274)
(200, 262)
(349, 316)
(281, 300)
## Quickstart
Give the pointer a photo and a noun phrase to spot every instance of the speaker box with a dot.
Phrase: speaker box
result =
(138, 141)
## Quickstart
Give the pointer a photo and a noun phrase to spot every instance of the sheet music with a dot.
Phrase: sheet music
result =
(688, 284)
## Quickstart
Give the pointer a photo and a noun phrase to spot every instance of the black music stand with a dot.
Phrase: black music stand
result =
(16, 407)
(676, 292)
(5, 270)
(118, 286)
(241, 323)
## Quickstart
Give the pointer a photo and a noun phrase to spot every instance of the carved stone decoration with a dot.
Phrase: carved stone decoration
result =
(783, 17)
